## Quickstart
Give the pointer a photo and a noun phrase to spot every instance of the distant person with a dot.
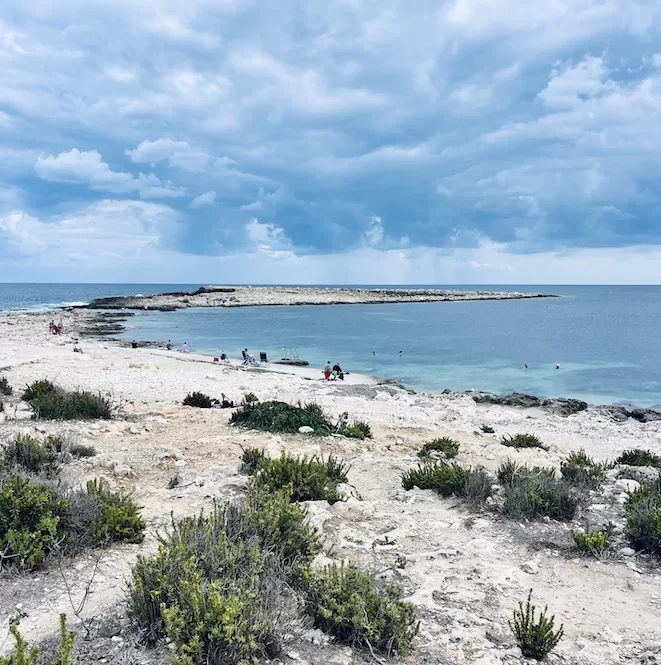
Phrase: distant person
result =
(557, 365)
(134, 344)
(401, 353)
(224, 358)
(525, 365)
(168, 346)
(328, 371)
(76, 348)
(337, 372)
(184, 348)
(51, 325)
(373, 353)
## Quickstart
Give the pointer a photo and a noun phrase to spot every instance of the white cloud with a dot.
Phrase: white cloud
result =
(374, 234)
(178, 153)
(88, 168)
(656, 60)
(572, 85)
(268, 239)
(206, 199)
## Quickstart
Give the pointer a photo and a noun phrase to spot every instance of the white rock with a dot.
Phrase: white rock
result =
(632, 566)
(627, 485)
(306, 429)
(530, 567)
(627, 551)
(180, 463)
(123, 471)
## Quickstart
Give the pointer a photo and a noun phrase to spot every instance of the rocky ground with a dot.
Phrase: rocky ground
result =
(464, 569)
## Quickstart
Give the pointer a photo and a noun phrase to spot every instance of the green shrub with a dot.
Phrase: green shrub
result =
(38, 389)
(5, 388)
(33, 455)
(22, 655)
(509, 471)
(478, 486)
(445, 445)
(535, 635)
(251, 460)
(346, 603)
(39, 519)
(221, 584)
(519, 441)
(580, 469)
(639, 457)
(358, 429)
(533, 496)
(487, 429)
(305, 479)
(76, 405)
(643, 512)
(199, 400)
(281, 417)
(595, 542)
(81, 450)
(449, 480)
(250, 398)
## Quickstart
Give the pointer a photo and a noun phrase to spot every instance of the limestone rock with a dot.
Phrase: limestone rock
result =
(306, 429)
(564, 406)
(530, 567)
(627, 485)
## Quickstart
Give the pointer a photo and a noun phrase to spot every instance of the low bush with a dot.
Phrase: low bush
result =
(639, 457)
(82, 450)
(281, 417)
(509, 471)
(445, 445)
(535, 635)
(487, 429)
(41, 458)
(5, 388)
(358, 429)
(39, 520)
(580, 469)
(60, 405)
(643, 512)
(199, 400)
(449, 480)
(22, 654)
(251, 459)
(305, 479)
(38, 389)
(595, 542)
(250, 398)
(534, 496)
(221, 586)
(346, 603)
(519, 441)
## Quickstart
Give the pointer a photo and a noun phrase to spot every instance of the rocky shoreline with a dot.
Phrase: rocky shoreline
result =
(254, 296)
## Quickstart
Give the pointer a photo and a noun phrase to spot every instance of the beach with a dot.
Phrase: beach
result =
(465, 570)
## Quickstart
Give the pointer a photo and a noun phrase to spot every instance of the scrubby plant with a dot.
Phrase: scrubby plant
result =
(22, 654)
(595, 542)
(39, 519)
(276, 416)
(639, 457)
(250, 398)
(358, 429)
(643, 512)
(199, 400)
(449, 480)
(305, 478)
(42, 458)
(38, 389)
(580, 469)
(173, 482)
(82, 450)
(445, 445)
(535, 634)
(348, 604)
(5, 387)
(251, 459)
(509, 471)
(221, 586)
(534, 496)
(51, 403)
(487, 429)
(519, 441)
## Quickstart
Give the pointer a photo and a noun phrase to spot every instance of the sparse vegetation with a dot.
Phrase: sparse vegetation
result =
(199, 400)
(39, 519)
(581, 470)
(510, 471)
(358, 429)
(487, 429)
(29, 454)
(305, 479)
(22, 654)
(539, 495)
(173, 482)
(346, 602)
(595, 542)
(445, 445)
(5, 388)
(38, 389)
(251, 459)
(250, 398)
(639, 457)
(519, 441)
(535, 635)
(449, 480)
(52, 403)
(82, 450)
(643, 511)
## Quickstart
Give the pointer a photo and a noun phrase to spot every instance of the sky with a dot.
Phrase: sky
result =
(345, 141)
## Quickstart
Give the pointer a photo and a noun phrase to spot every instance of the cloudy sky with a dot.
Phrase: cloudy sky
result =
(344, 141)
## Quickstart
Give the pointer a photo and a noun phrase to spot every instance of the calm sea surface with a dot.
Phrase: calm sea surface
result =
(606, 338)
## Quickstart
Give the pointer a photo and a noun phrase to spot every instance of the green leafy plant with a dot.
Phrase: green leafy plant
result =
(643, 513)
(509, 472)
(445, 445)
(595, 542)
(51, 403)
(580, 469)
(358, 429)
(250, 398)
(251, 460)
(199, 400)
(21, 654)
(535, 635)
(305, 479)
(38, 389)
(448, 480)
(639, 457)
(33, 455)
(5, 387)
(281, 417)
(487, 429)
(519, 441)
(534, 496)
(347, 603)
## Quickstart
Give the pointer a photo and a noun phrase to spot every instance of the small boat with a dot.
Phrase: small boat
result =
(296, 362)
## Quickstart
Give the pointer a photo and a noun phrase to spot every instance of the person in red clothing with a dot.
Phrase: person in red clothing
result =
(327, 371)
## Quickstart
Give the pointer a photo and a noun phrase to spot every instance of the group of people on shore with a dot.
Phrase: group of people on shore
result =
(333, 373)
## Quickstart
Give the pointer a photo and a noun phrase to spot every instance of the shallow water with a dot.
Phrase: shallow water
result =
(605, 338)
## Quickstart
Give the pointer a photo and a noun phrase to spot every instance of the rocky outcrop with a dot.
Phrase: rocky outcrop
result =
(564, 406)
(645, 415)
(520, 400)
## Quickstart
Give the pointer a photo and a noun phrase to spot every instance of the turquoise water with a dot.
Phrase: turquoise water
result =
(606, 339)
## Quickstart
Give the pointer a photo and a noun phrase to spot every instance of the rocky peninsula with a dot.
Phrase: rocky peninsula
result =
(247, 296)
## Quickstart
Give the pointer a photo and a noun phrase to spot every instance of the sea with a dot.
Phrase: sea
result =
(605, 338)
